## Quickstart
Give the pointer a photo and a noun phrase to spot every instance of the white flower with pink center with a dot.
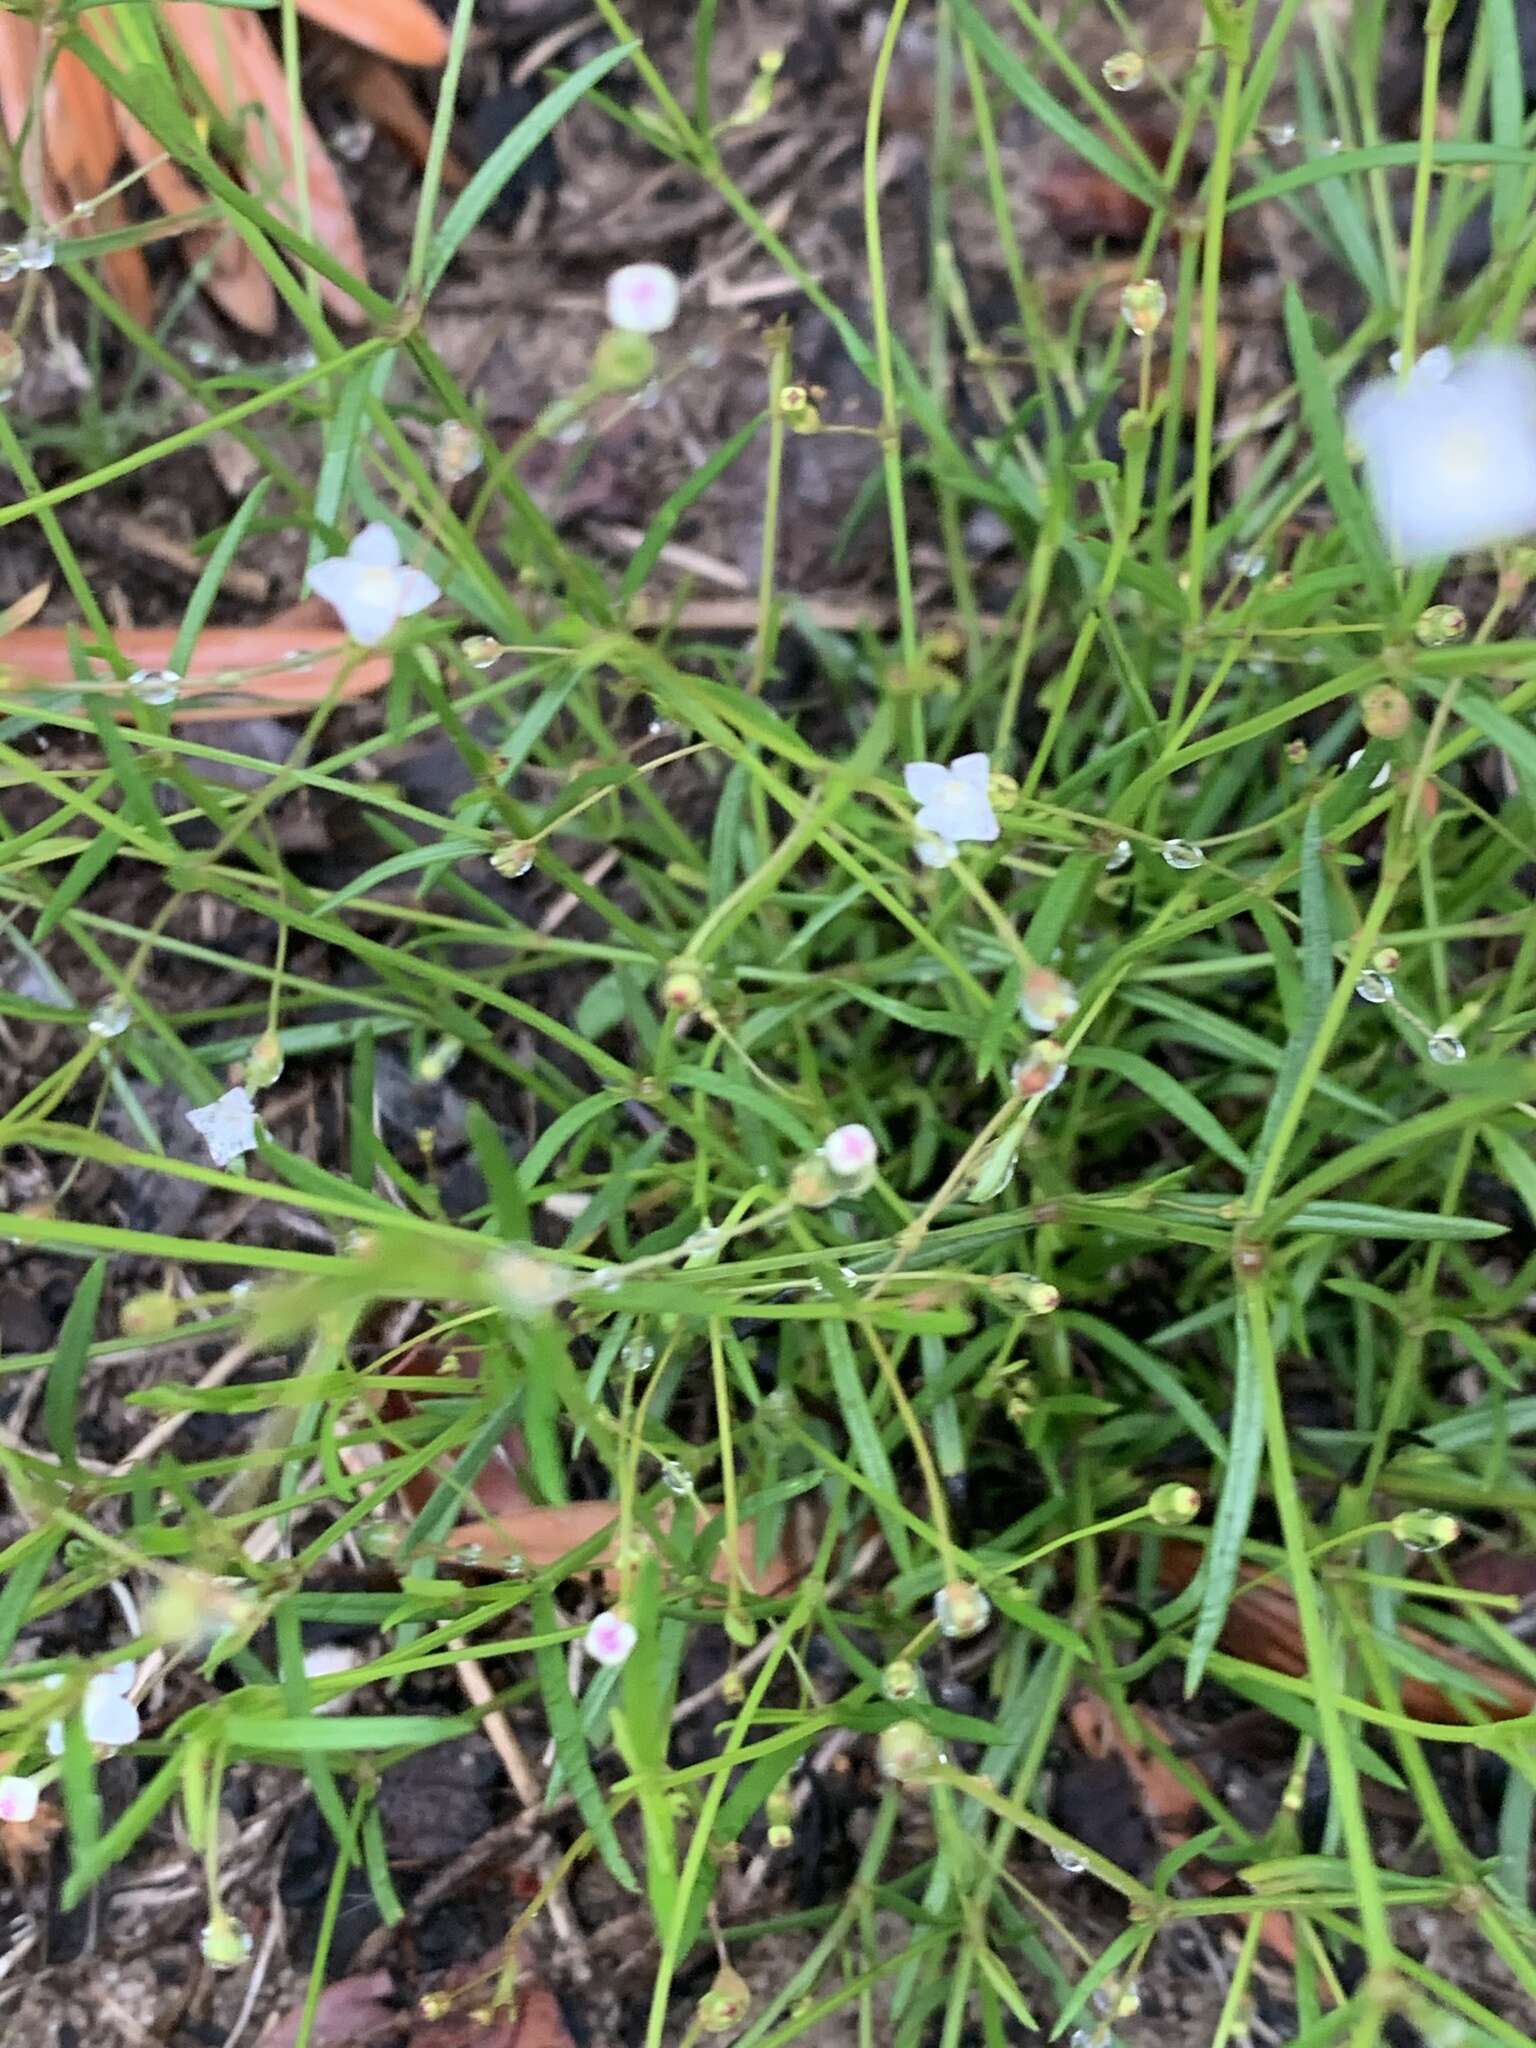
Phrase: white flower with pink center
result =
(609, 1639)
(643, 298)
(18, 1800)
(851, 1151)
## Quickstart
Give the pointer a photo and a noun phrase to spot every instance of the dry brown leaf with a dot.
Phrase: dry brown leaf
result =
(1261, 1626)
(25, 608)
(534, 2021)
(349, 2014)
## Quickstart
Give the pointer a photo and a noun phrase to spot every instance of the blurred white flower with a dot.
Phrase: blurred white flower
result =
(610, 1639)
(1450, 451)
(935, 853)
(643, 298)
(955, 803)
(227, 1127)
(110, 1718)
(18, 1800)
(370, 588)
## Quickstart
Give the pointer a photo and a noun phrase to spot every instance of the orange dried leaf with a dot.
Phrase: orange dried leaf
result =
(43, 658)
(405, 31)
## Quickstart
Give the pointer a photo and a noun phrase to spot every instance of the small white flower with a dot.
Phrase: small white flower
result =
(955, 800)
(1450, 452)
(610, 1639)
(370, 588)
(935, 853)
(110, 1718)
(643, 298)
(227, 1127)
(18, 1800)
(851, 1150)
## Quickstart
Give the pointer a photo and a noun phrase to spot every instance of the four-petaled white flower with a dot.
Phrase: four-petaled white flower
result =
(955, 802)
(370, 588)
(227, 1127)
(110, 1718)
(610, 1638)
(643, 298)
(18, 1800)
(1450, 451)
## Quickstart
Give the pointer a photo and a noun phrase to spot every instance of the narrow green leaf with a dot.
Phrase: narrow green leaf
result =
(1234, 1511)
(487, 184)
(61, 1394)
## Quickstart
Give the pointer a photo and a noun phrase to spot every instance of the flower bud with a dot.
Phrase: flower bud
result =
(1173, 1505)
(225, 1943)
(900, 1680)
(1385, 712)
(148, 1315)
(622, 361)
(798, 410)
(812, 1184)
(907, 1751)
(682, 987)
(264, 1063)
(514, 858)
(726, 2003)
(1440, 625)
(1424, 1529)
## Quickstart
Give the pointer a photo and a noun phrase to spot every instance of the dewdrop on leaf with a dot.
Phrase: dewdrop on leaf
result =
(1374, 987)
(1450, 451)
(1142, 306)
(961, 1610)
(1445, 1049)
(157, 686)
(370, 588)
(1124, 71)
(1046, 1000)
(643, 298)
(1043, 1068)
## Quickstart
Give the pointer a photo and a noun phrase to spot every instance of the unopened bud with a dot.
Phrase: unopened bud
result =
(1173, 1505)
(264, 1063)
(1043, 1068)
(726, 2003)
(148, 1315)
(623, 361)
(527, 1287)
(1385, 712)
(1424, 1529)
(1440, 625)
(900, 1680)
(225, 1943)
(682, 987)
(1047, 1000)
(961, 1610)
(907, 1751)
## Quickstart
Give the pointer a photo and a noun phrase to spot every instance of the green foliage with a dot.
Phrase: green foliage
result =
(1250, 1187)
